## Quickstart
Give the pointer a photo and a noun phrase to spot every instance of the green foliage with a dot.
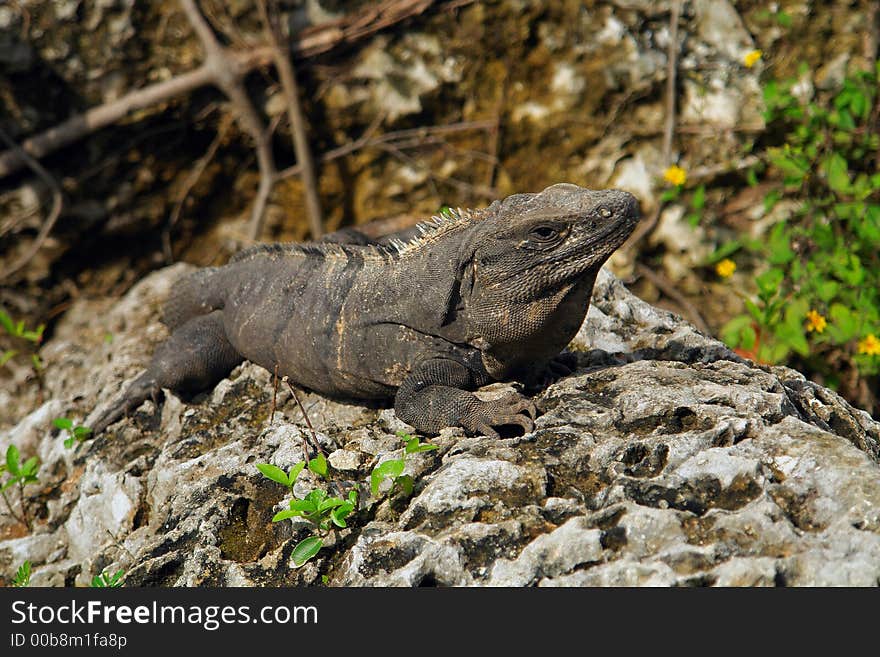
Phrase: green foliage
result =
(823, 257)
(23, 575)
(278, 475)
(19, 331)
(393, 468)
(326, 512)
(318, 508)
(75, 434)
(20, 474)
(107, 581)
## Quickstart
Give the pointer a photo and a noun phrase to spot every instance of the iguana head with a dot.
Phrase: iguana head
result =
(529, 270)
(529, 244)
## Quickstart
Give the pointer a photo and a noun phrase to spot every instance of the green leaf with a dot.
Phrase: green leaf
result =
(7, 323)
(414, 447)
(81, 433)
(732, 331)
(699, 198)
(305, 550)
(294, 473)
(406, 484)
(284, 515)
(339, 514)
(7, 355)
(330, 503)
(9, 483)
(723, 251)
(69, 442)
(844, 324)
(769, 282)
(670, 194)
(318, 465)
(392, 468)
(837, 173)
(304, 506)
(63, 423)
(273, 472)
(12, 460)
(778, 245)
(22, 575)
(403, 434)
(29, 467)
(826, 290)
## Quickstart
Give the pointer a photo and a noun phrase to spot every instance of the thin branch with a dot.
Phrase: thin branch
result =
(305, 415)
(287, 75)
(667, 288)
(12, 511)
(645, 227)
(671, 75)
(227, 75)
(54, 213)
(309, 43)
(191, 181)
(366, 140)
(79, 126)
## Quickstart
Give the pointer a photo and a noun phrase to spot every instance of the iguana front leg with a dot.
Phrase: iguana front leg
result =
(435, 396)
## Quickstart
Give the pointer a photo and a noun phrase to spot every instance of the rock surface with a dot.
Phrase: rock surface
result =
(665, 459)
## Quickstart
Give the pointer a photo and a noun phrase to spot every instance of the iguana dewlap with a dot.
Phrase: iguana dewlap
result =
(456, 303)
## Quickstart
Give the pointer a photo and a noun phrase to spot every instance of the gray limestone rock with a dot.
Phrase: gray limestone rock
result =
(664, 459)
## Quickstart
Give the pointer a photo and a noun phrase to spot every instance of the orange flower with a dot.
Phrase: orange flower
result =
(816, 322)
(675, 175)
(725, 268)
(870, 345)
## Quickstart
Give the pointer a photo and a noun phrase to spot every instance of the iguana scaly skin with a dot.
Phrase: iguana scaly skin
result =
(423, 318)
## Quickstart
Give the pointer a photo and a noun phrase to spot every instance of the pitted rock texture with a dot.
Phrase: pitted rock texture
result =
(665, 459)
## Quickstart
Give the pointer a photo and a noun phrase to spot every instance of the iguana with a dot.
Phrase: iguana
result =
(422, 318)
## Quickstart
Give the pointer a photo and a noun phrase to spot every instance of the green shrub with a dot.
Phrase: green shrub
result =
(818, 297)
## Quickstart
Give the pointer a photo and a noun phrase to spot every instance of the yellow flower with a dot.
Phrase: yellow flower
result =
(725, 268)
(675, 175)
(751, 58)
(816, 322)
(870, 345)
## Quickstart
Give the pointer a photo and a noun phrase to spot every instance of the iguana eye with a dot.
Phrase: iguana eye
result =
(605, 212)
(544, 234)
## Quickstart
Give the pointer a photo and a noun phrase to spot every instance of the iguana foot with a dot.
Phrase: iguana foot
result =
(510, 409)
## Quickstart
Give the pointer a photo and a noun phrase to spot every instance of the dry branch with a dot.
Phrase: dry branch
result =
(309, 43)
(54, 213)
(287, 75)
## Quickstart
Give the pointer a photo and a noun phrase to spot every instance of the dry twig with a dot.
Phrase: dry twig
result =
(54, 213)
(287, 75)
(309, 43)
(667, 288)
(302, 409)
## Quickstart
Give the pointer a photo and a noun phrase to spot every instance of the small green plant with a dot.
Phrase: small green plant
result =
(106, 581)
(23, 575)
(318, 508)
(76, 434)
(393, 468)
(18, 474)
(322, 511)
(818, 296)
(19, 331)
